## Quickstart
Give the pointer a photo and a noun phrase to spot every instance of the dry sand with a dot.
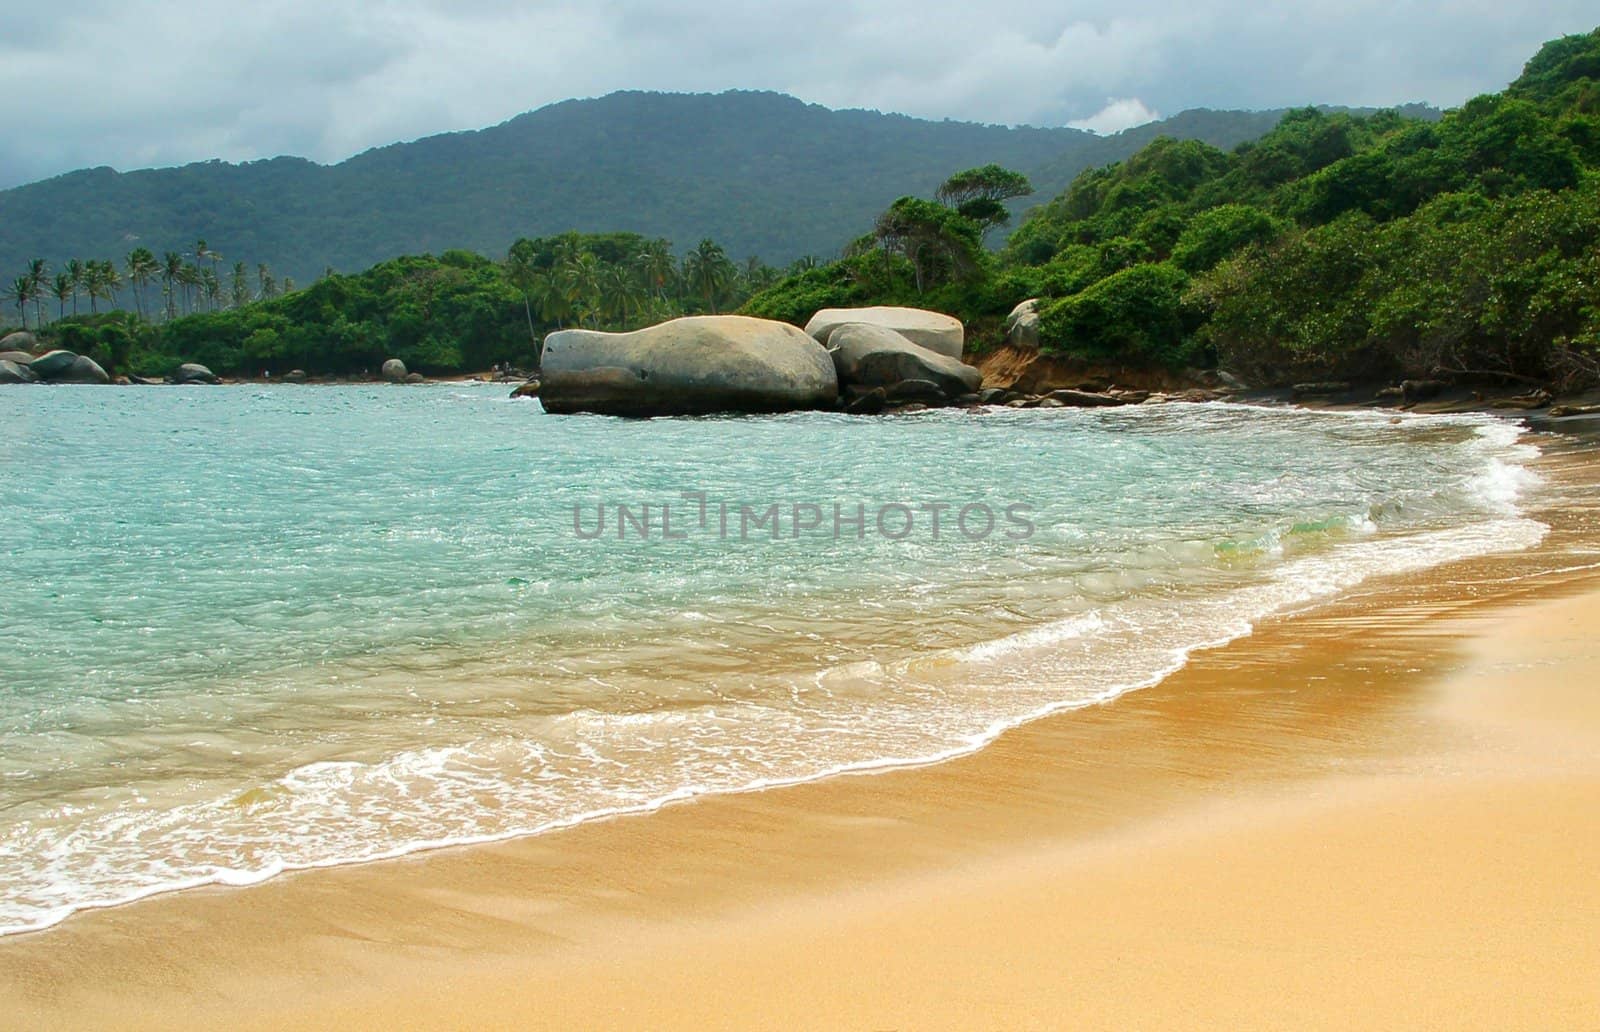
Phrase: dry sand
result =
(1384, 813)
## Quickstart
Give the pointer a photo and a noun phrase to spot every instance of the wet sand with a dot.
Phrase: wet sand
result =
(1385, 811)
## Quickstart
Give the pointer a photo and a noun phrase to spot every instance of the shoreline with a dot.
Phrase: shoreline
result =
(980, 738)
(717, 870)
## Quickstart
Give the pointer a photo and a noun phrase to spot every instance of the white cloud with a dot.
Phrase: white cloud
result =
(1117, 115)
(133, 83)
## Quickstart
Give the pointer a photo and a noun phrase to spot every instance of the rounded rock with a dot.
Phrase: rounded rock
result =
(689, 366)
(935, 331)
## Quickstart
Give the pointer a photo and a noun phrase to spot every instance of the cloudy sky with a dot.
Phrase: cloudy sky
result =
(132, 84)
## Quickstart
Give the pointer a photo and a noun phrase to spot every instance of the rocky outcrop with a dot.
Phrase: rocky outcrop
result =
(23, 358)
(394, 371)
(52, 365)
(194, 372)
(1085, 399)
(83, 370)
(21, 340)
(942, 334)
(866, 356)
(694, 365)
(1321, 389)
(16, 372)
(1022, 326)
(527, 389)
(416, 378)
(295, 376)
(1040, 372)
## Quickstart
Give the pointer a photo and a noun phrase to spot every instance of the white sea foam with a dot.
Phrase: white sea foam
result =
(539, 736)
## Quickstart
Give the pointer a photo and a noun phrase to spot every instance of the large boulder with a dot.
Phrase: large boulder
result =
(83, 370)
(295, 376)
(194, 372)
(53, 365)
(394, 371)
(938, 333)
(1022, 326)
(21, 340)
(16, 372)
(19, 357)
(698, 364)
(865, 355)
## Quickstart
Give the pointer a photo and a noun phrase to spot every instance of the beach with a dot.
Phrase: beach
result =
(1378, 811)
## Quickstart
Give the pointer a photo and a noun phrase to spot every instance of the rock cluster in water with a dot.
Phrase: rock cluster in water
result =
(865, 360)
(56, 366)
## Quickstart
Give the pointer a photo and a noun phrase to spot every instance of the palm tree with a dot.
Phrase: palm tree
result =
(522, 273)
(623, 296)
(91, 285)
(708, 272)
(37, 271)
(61, 288)
(79, 273)
(171, 270)
(549, 293)
(264, 280)
(581, 276)
(655, 264)
(19, 292)
(141, 265)
(240, 286)
(202, 253)
(212, 288)
(94, 284)
(189, 280)
(288, 284)
(110, 281)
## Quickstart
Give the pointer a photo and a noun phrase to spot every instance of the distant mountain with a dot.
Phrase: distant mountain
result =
(761, 173)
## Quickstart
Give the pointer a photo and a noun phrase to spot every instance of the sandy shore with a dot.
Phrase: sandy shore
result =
(1384, 812)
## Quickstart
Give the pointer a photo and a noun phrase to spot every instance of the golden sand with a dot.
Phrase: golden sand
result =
(1385, 812)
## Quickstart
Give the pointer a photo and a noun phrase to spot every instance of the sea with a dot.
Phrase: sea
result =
(251, 629)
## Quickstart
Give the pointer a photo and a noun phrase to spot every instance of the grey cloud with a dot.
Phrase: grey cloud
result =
(139, 83)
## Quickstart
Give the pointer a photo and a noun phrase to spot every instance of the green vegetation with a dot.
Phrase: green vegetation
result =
(1335, 246)
(456, 312)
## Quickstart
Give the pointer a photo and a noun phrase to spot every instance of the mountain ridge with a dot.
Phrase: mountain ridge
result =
(761, 172)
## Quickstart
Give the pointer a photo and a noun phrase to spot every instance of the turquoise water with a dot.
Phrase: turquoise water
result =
(252, 629)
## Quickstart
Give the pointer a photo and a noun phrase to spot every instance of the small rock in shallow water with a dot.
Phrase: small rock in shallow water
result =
(869, 404)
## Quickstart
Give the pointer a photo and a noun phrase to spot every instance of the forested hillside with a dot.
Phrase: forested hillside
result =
(1335, 245)
(764, 174)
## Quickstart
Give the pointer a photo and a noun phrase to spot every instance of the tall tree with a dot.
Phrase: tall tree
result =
(141, 265)
(171, 272)
(37, 271)
(581, 275)
(61, 289)
(212, 288)
(241, 286)
(940, 243)
(708, 272)
(19, 292)
(112, 280)
(189, 280)
(79, 273)
(657, 267)
(523, 273)
(980, 194)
